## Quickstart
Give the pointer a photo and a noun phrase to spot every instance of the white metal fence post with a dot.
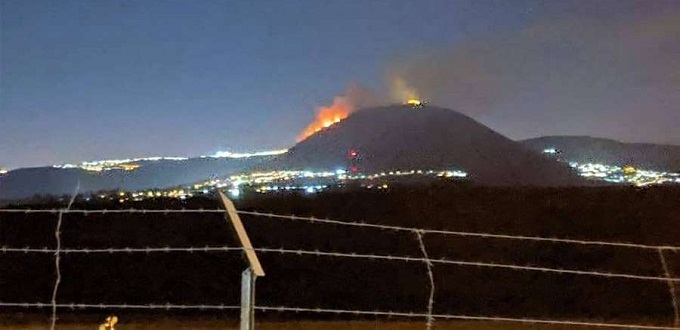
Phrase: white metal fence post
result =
(248, 299)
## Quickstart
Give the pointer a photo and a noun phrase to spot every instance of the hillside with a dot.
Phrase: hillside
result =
(26, 182)
(402, 137)
(585, 149)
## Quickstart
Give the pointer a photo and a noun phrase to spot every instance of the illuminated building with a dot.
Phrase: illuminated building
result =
(414, 103)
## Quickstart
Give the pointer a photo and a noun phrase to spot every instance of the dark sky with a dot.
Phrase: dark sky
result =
(85, 80)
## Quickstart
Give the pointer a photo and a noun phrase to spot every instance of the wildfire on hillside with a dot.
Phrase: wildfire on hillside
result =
(356, 96)
(327, 116)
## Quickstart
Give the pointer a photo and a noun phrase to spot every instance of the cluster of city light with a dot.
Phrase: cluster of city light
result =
(272, 176)
(626, 174)
(283, 181)
(3, 171)
(261, 180)
(228, 154)
(619, 174)
(310, 189)
(175, 193)
(129, 164)
(269, 181)
(146, 194)
(317, 181)
(290, 181)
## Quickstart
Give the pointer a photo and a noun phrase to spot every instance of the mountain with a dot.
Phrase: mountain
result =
(586, 149)
(403, 137)
(397, 137)
(26, 182)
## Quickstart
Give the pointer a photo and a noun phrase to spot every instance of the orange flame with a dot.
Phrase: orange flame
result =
(327, 116)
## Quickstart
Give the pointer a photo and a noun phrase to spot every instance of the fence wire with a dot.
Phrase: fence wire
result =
(354, 255)
(359, 224)
(419, 232)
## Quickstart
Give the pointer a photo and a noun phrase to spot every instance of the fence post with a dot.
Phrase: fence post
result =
(671, 288)
(248, 299)
(253, 271)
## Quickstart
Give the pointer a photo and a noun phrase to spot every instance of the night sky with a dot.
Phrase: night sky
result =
(86, 80)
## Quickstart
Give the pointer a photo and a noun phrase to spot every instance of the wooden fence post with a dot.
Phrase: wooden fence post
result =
(253, 271)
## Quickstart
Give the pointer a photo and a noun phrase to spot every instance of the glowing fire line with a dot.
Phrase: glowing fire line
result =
(328, 116)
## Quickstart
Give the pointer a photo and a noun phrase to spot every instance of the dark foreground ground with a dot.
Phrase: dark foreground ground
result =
(646, 216)
(33, 322)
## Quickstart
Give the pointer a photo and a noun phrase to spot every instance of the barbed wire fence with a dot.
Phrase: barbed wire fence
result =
(57, 258)
(429, 262)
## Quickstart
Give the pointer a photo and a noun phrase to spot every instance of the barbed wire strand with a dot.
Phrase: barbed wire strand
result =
(362, 224)
(167, 306)
(344, 311)
(472, 263)
(113, 211)
(467, 318)
(359, 256)
(57, 258)
(125, 250)
(671, 287)
(430, 275)
(461, 233)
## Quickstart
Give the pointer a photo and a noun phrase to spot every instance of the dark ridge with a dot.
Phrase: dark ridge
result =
(402, 137)
(27, 182)
(586, 149)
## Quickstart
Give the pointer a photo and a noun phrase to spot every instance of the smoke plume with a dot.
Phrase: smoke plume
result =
(617, 73)
(618, 79)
